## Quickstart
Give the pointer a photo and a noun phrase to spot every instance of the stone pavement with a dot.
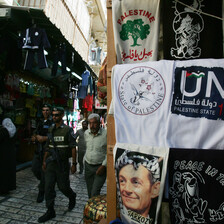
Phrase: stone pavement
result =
(20, 207)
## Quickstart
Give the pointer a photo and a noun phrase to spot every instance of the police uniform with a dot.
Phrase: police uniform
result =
(42, 130)
(57, 169)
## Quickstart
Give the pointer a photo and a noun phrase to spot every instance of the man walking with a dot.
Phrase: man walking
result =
(40, 138)
(60, 146)
(81, 144)
(96, 156)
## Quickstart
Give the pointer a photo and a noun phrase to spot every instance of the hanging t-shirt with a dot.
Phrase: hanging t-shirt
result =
(82, 92)
(140, 176)
(196, 119)
(88, 103)
(34, 38)
(30, 89)
(30, 103)
(85, 78)
(76, 104)
(196, 179)
(136, 30)
(141, 100)
(188, 33)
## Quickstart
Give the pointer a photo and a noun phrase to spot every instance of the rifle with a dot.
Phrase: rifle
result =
(39, 149)
(54, 156)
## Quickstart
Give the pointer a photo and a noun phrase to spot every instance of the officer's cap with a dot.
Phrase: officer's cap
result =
(59, 109)
(46, 105)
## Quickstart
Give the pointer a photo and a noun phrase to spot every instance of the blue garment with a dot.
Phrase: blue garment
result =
(116, 221)
(85, 76)
(82, 92)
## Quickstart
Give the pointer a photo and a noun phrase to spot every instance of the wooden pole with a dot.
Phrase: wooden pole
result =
(111, 61)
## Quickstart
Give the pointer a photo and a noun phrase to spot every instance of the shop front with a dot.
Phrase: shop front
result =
(37, 65)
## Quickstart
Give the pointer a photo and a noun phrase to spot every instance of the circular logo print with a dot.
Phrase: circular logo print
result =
(142, 90)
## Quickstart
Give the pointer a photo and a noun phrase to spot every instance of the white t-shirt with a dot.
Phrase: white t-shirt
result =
(141, 101)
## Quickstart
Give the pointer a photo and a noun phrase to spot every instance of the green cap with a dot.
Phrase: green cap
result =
(46, 105)
(59, 109)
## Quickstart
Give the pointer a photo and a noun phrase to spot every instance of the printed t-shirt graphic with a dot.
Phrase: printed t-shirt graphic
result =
(140, 176)
(190, 34)
(141, 100)
(197, 112)
(196, 179)
(136, 29)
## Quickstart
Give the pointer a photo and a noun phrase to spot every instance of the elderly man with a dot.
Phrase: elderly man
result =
(96, 155)
(138, 182)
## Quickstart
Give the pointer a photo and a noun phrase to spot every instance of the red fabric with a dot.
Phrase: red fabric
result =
(88, 103)
(84, 103)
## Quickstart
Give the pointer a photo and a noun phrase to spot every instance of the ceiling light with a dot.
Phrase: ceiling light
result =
(77, 76)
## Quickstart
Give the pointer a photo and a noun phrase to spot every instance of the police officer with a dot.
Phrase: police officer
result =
(40, 137)
(60, 146)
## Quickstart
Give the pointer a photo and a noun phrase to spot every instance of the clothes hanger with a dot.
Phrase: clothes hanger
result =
(34, 25)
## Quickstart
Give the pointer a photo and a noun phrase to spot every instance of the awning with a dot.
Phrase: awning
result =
(15, 19)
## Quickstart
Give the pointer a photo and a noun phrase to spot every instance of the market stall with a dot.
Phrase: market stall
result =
(160, 108)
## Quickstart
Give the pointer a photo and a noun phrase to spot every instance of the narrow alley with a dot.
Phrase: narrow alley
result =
(20, 206)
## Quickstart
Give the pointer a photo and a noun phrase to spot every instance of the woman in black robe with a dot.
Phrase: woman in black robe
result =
(7, 157)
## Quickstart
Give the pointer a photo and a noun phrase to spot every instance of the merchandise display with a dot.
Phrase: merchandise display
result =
(178, 75)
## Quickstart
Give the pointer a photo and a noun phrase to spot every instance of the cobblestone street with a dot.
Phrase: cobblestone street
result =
(20, 206)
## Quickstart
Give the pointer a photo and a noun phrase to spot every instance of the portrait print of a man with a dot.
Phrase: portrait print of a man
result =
(138, 182)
